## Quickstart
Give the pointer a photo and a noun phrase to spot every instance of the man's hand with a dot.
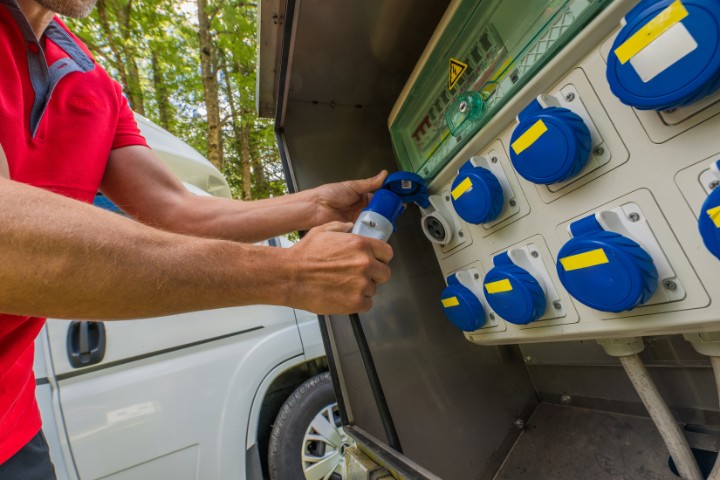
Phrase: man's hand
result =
(337, 272)
(343, 201)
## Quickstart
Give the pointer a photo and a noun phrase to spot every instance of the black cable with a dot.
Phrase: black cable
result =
(378, 394)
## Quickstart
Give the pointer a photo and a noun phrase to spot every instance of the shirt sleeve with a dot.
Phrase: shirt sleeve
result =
(127, 132)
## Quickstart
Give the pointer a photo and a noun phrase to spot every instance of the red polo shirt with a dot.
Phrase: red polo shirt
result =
(60, 116)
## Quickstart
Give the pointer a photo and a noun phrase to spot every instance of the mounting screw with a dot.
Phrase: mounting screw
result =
(634, 217)
(519, 423)
(598, 151)
(714, 184)
(669, 285)
(512, 203)
(557, 305)
(372, 224)
(494, 160)
(461, 234)
(534, 254)
(476, 276)
(565, 399)
(570, 97)
(463, 106)
(491, 316)
(447, 198)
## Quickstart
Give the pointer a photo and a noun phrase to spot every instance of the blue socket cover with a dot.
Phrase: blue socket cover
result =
(462, 307)
(692, 77)
(398, 189)
(410, 187)
(709, 222)
(605, 270)
(477, 195)
(549, 145)
(513, 292)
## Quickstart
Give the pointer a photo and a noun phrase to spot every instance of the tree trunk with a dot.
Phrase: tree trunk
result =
(242, 138)
(124, 14)
(208, 66)
(124, 56)
(246, 162)
(162, 96)
(117, 57)
(258, 169)
(135, 87)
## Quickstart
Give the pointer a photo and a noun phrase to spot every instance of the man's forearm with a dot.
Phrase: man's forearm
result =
(64, 259)
(244, 221)
(145, 188)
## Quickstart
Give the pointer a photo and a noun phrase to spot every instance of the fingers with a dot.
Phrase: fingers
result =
(339, 272)
(371, 184)
(365, 305)
(381, 250)
(341, 227)
(378, 273)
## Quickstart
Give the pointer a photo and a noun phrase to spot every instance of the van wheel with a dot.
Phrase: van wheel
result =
(307, 440)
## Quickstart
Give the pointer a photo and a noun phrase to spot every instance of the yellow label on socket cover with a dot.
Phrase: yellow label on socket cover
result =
(530, 136)
(450, 302)
(584, 260)
(651, 31)
(462, 187)
(714, 214)
(499, 287)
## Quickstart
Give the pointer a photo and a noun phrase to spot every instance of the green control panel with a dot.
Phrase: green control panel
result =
(489, 50)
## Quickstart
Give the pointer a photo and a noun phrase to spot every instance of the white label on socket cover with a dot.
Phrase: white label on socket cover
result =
(510, 206)
(529, 258)
(629, 221)
(710, 177)
(467, 278)
(665, 51)
(599, 152)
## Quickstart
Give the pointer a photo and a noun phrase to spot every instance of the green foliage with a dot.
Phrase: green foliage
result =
(161, 38)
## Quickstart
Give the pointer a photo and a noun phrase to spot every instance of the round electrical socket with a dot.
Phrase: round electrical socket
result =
(436, 229)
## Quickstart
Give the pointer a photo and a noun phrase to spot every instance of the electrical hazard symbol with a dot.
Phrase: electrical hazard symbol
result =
(457, 68)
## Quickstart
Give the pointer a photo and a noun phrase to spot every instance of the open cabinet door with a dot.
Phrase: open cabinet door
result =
(593, 126)
(340, 68)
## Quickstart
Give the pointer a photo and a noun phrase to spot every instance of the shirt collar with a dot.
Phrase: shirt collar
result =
(54, 32)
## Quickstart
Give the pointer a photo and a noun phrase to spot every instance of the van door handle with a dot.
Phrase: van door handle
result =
(85, 343)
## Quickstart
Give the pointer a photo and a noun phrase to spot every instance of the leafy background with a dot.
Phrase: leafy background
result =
(189, 66)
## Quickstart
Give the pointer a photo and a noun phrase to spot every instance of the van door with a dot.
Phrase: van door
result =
(168, 392)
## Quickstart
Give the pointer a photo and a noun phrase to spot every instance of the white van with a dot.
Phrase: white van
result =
(204, 395)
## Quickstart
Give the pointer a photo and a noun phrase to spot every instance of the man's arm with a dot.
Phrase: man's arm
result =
(143, 186)
(4, 169)
(64, 259)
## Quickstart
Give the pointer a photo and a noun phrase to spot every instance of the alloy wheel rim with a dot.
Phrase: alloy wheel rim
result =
(323, 446)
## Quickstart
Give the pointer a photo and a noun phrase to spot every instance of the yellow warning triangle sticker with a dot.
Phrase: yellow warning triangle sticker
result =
(457, 68)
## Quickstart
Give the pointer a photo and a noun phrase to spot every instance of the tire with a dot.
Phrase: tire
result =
(307, 440)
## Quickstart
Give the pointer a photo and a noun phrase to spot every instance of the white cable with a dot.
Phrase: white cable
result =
(675, 441)
(715, 361)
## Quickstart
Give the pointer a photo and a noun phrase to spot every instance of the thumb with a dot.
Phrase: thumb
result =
(373, 183)
(342, 227)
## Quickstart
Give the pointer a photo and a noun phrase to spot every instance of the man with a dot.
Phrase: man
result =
(66, 131)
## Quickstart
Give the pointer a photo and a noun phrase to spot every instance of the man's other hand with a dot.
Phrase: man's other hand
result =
(337, 272)
(343, 201)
